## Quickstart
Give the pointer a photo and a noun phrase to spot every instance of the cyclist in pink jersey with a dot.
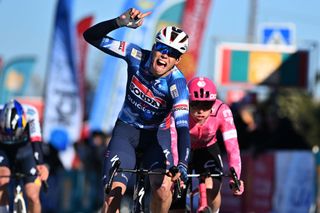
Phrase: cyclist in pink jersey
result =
(208, 115)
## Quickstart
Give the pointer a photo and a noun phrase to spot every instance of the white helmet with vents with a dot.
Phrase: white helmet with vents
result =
(173, 37)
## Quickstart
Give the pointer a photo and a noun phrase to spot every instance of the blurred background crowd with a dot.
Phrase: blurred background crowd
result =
(262, 55)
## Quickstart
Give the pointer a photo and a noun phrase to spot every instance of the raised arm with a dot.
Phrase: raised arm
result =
(132, 18)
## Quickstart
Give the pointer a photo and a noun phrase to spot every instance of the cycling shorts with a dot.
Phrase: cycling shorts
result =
(207, 158)
(128, 143)
(19, 158)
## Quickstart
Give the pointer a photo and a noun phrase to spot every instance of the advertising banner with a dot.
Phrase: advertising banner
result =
(257, 64)
(194, 24)
(15, 78)
(294, 182)
(63, 108)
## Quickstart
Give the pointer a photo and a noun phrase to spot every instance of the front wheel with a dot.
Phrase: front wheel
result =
(19, 205)
(205, 210)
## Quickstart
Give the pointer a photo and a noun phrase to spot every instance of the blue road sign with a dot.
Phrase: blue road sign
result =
(276, 33)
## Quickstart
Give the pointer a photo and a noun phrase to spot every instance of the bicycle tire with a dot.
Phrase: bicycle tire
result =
(206, 210)
(19, 206)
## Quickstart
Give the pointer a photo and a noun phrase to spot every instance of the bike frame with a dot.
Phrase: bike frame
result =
(202, 190)
(139, 187)
(18, 204)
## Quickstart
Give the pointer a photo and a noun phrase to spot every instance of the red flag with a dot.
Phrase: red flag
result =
(82, 25)
(194, 24)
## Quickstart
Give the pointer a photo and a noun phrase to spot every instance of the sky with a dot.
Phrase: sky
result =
(27, 26)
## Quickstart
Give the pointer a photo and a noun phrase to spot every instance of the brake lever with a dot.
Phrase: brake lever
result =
(235, 179)
(177, 188)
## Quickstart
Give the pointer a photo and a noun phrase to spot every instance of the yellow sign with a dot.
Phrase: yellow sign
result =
(262, 65)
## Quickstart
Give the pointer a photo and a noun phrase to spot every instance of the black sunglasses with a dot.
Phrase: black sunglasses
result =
(204, 105)
(165, 49)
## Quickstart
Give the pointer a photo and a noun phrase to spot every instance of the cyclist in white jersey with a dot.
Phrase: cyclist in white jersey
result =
(155, 88)
(21, 150)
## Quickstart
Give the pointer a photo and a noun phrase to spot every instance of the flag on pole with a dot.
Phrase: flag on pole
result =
(63, 107)
(194, 24)
(82, 45)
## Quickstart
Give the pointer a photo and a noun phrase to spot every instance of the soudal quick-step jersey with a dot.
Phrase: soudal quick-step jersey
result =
(148, 100)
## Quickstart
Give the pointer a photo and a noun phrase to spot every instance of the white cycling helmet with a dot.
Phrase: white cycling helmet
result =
(173, 37)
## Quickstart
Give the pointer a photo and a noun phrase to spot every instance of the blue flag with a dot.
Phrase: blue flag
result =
(63, 108)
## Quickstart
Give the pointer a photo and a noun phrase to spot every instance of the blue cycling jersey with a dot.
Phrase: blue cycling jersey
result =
(149, 100)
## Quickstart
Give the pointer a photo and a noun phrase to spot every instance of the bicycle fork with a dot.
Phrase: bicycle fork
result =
(19, 203)
(203, 204)
(138, 195)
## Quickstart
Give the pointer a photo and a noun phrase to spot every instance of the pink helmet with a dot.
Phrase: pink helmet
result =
(202, 89)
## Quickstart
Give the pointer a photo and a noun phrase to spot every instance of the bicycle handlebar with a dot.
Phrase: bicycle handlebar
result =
(142, 171)
(232, 174)
(177, 188)
(116, 168)
(113, 171)
(235, 178)
(19, 175)
(208, 175)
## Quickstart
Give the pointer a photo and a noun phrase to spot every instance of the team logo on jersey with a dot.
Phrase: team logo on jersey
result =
(31, 111)
(179, 107)
(136, 53)
(145, 94)
(209, 164)
(122, 46)
(174, 91)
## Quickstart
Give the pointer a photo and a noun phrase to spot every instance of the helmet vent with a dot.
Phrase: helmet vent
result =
(164, 31)
(177, 30)
(203, 94)
(173, 36)
(184, 39)
(196, 95)
(207, 94)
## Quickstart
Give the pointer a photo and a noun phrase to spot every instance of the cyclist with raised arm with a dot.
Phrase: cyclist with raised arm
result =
(155, 88)
(208, 115)
(21, 150)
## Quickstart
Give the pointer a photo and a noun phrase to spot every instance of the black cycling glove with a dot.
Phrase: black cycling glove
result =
(126, 20)
(184, 172)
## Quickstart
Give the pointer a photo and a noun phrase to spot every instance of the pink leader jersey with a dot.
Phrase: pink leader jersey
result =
(204, 135)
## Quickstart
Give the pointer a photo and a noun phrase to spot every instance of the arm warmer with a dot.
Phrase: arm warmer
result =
(96, 33)
(37, 152)
(183, 144)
